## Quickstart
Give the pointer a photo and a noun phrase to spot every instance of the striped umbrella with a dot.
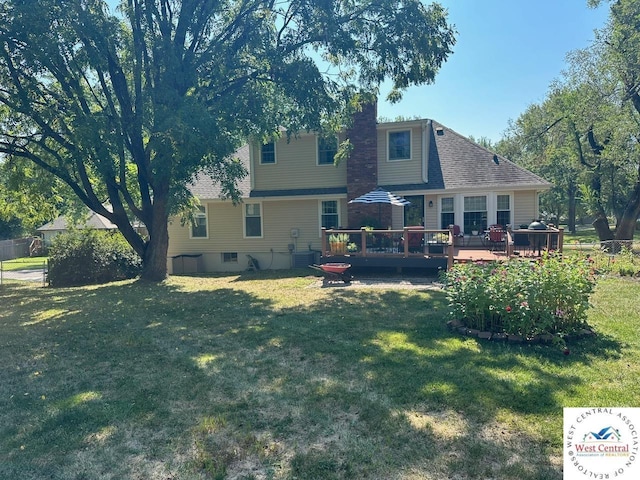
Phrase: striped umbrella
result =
(381, 196)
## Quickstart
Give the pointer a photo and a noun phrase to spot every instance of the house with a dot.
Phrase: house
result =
(293, 190)
(63, 223)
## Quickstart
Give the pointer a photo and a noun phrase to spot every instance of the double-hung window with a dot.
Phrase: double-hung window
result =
(268, 153)
(252, 220)
(399, 145)
(327, 149)
(199, 224)
(330, 216)
(447, 215)
(503, 210)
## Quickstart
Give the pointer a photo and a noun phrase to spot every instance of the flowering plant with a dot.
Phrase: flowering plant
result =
(522, 298)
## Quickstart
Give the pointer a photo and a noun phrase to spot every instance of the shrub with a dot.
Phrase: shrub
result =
(522, 298)
(85, 257)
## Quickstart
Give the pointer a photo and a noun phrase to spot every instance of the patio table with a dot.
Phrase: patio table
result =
(469, 239)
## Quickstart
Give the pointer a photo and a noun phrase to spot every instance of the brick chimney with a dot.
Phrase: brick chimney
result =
(362, 169)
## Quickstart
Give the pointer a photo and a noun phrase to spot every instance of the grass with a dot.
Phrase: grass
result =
(266, 376)
(25, 263)
(586, 235)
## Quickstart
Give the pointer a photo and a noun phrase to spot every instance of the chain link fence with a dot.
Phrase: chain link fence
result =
(33, 273)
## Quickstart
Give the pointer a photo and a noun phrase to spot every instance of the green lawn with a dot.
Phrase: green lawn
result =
(25, 263)
(586, 235)
(267, 376)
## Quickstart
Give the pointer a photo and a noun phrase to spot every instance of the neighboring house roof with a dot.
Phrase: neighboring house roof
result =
(94, 221)
(205, 188)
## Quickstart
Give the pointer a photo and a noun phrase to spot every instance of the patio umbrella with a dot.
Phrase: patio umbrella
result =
(381, 197)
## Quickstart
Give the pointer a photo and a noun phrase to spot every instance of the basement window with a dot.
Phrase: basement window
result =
(230, 257)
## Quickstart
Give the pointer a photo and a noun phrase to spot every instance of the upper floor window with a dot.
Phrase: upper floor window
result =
(199, 225)
(252, 220)
(327, 149)
(399, 145)
(268, 153)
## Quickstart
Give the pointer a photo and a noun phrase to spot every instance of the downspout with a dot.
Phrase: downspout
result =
(426, 146)
(252, 178)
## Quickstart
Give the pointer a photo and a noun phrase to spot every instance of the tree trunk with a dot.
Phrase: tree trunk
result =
(627, 224)
(154, 261)
(601, 224)
(571, 214)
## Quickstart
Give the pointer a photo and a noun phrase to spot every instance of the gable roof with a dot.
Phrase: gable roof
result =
(62, 223)
(205, 188)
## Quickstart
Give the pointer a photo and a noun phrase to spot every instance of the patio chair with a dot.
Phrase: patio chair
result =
(496, 239)
(415, 239)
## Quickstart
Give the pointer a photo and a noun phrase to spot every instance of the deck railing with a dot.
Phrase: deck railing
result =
(535, 240)
(408, 242)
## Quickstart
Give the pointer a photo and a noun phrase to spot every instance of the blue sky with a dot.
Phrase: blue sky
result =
(507, 54)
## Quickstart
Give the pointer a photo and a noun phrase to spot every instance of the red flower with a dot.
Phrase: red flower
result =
(508, 309)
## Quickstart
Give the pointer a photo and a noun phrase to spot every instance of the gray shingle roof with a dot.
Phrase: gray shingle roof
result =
(455, 162)
(205, 188)
(94, 221)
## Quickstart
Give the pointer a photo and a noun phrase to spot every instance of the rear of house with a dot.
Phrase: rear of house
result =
(293, 190)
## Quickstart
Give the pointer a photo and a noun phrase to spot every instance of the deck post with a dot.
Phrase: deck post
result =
(324, 241)
(363, 240)
(405, 241)
(560, 239)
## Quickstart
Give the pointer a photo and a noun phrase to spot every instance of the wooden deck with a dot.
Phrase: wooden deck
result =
(390, 251)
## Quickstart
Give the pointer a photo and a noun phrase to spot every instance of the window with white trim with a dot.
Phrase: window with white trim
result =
(475, 213)
(503, 210)
(268, 153)
(447, 214)
(399, 144)
(252, 220)
(199, 225)
(327, 149)
(330, 215)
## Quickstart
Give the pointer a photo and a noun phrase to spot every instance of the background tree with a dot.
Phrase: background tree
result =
(29, 197)
(584, 137)
(126, 109)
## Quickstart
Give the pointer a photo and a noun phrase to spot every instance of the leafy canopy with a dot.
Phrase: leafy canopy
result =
(128, 106)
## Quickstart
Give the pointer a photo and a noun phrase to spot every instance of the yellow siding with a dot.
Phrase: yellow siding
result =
(433, 220)
(225, 224)
(525, 207)
(400, 171)
(296, 167)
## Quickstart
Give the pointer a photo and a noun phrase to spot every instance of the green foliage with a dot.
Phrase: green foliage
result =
(85, 257)
(584, 136)
(339, 238)
(522, 298)
(127, 108)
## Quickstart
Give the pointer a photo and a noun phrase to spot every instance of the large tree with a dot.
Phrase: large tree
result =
(126, 108)
(585, 135)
